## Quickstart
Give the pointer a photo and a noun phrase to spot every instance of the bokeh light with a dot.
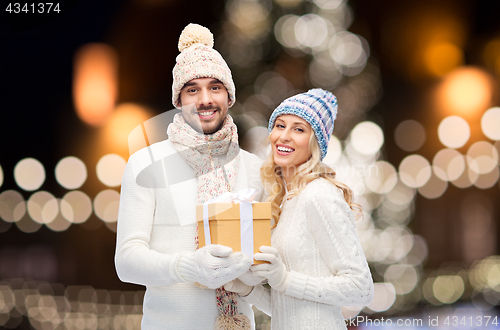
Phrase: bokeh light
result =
(71, 172)
(403, 277)
(59, 223)
(448, 288)
(488, 180)
(401, 194)
(249, 17)
(334, 151)
(434, 188)
(76, 207)
(466, 179)
(1, 176)
(29, 174)
(106, 205)
(454, 132)
(410, 135)
(482, 157)
(490, 123)
(12, 206)
(466, 92)
(27, 225)
(384, 179)
(442, 57)
(367, 138)
(122, 121)
(95, 82)
(43, 207)
(110, 170)
(448, 164)
(415, 171)
(384, 297)
(312, 30)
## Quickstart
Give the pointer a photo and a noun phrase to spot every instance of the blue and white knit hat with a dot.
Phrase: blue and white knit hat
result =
(318, 107)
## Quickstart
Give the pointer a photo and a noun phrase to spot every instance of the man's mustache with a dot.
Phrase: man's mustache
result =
(205, 108)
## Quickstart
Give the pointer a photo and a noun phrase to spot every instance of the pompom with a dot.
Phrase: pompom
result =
(195, 34)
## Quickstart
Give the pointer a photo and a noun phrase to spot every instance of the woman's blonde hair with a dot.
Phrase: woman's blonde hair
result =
(312, 169)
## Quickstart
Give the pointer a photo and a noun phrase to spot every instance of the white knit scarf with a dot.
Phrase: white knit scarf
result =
(214, 178)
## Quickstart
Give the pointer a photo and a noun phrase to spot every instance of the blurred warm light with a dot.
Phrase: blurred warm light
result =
(492, 55)
(488, 180)
(27, 225)
(400, 194)
(323, 72)
(434, 188)
(384, 297)
(106, 205)
(442, 57)
(288, 3)
(124, 119)
(466, 92)
(311, 30)
(409, 135)
(490, 123)
(29, 174)
(349, 50)
(466, 179)
(328, 4)
(448, 164)
(110, 170)
(43, 207)
(12, 206)
(95, 82)
(454, 132)
(250, 17)
(485, 274)
(367, 138)
(1, 176)
(334, 151)
(255, 141)
(448, 288)
(403, 277)
(383, 179)
(414, 171)
(59, 223)
(482, 157)
(418, 252)
(71, 172)
(284, 31)
(76, 207)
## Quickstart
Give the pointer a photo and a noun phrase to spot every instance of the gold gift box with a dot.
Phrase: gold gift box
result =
(224, 222)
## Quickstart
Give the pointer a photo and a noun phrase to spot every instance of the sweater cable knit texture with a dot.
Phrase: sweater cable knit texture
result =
(317, 240)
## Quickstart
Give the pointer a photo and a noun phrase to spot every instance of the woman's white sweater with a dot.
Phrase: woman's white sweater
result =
(317, 240)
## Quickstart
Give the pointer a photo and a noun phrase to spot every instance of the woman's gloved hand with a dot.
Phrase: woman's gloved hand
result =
(275, 271)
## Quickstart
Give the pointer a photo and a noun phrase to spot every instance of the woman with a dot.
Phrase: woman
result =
(316, 263)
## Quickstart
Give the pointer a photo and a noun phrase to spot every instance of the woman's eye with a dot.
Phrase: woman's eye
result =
(299, 129)
(280, 126)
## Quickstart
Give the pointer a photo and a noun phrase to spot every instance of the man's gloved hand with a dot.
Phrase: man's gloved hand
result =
(274, 271)
(250, 279)
(239, 287)
(213, 265)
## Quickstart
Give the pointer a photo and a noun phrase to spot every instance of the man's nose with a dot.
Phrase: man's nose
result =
(205, 98)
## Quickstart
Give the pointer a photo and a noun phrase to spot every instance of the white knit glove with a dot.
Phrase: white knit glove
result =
(274, 271)
(239, 287)
(212, 265)
(250, 279)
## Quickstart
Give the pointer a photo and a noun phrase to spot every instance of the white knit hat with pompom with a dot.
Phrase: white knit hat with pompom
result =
(199, 60)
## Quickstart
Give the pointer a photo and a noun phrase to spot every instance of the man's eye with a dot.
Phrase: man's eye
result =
(215, 87)
(191, 90)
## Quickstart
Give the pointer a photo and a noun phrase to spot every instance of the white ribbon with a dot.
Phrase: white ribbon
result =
(245, 199)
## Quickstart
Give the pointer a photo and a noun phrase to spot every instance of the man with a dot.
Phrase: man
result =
(157, 231)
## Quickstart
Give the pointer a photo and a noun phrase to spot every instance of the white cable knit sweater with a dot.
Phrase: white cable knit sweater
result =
(317, 240)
